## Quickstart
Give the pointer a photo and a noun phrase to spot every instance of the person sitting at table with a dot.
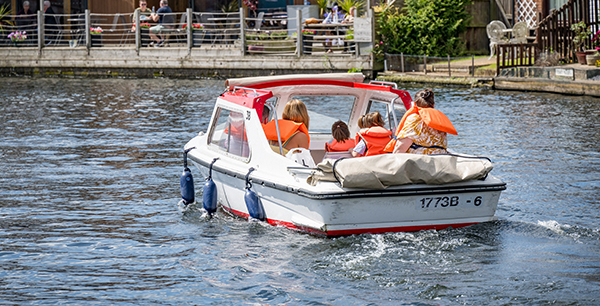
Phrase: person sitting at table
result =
(25, 21)
(50, 21)
(333, 16)
(143, 10)
(165, 21)
(349, 18)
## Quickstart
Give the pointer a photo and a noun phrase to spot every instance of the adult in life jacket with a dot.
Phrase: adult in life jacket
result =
(341, 141)
(423, 129)
(293, 128)
(373, 137)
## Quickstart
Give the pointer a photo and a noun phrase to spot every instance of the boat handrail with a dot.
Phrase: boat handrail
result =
(295, 170)
(383, 83)
(246, 88)
(394, 112)
(272, 109)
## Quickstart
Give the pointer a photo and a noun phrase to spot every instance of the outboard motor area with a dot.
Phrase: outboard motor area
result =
(255, 209)
(187, 181)
(209, 193)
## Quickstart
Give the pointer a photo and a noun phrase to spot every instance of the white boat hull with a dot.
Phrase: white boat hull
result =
(397, 209)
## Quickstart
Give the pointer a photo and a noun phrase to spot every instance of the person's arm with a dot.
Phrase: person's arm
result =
(402, 145)
(359, 149)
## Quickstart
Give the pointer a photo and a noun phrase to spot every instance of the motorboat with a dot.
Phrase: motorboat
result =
(313, 191)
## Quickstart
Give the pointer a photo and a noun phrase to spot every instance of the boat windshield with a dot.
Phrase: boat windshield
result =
(325, 110)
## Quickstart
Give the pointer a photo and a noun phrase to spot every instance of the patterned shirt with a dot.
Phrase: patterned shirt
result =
(416, 130)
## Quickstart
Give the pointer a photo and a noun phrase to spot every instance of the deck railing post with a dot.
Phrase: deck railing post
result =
(190, 32)
(473, 65)
(138, 32)
(88, 35)
(449, 72)
(425, 63)
(242, 31)
(40, 17)
(299, 32)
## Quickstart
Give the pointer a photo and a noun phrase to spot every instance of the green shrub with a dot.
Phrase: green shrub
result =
(425, 27)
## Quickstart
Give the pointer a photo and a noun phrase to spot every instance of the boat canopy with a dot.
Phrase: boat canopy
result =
(348, 77)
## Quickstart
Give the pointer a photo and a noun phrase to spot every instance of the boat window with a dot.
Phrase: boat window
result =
(229, 133)
(385, 110)
(325, 110)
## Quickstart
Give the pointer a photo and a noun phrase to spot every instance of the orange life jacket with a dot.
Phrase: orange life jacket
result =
(375, 137)
(336, 146)
(287, 129)
(432, 117)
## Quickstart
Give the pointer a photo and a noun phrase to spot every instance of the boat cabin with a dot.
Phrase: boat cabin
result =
(328, 98)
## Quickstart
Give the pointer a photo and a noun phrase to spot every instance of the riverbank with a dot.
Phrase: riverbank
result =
(572, 79)
(211, 61)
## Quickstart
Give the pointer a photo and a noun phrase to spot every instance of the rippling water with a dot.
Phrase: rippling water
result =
(89, 188)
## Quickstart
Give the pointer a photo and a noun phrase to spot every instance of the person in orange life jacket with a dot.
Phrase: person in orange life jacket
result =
(372, 139)
(423, 129)
(293, 127)
(341, 141)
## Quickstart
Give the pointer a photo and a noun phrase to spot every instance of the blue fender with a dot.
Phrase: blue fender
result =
(209, 196)
(255, 209)
(187, 186)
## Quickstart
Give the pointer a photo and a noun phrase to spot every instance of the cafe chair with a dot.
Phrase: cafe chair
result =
(119, 26)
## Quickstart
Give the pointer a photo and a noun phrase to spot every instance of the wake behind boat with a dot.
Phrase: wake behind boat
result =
(375, 194)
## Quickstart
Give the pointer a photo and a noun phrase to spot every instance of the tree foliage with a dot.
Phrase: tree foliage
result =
(425, 27)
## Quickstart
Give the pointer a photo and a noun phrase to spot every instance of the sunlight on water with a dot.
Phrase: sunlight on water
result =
(91, 211)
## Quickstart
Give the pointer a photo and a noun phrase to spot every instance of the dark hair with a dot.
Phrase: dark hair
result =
(340, 132)
(424, 98)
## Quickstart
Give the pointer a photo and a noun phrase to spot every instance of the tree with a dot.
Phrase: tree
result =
(425, 27)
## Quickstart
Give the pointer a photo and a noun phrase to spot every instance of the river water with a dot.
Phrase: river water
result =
(89, 188)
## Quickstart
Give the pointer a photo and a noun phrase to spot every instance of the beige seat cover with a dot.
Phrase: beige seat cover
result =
(381, 171)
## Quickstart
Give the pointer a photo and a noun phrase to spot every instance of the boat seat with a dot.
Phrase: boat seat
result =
(301, 156)
(337, 155)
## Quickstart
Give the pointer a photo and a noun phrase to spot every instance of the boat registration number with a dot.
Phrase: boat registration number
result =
(444, 202)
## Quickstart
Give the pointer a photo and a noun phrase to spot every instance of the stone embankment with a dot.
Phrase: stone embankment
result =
(169, 62)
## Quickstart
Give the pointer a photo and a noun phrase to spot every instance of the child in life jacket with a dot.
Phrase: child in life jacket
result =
(373, 137)
(341, 141)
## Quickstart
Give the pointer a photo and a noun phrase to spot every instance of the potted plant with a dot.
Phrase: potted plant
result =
(4, 21)
(96, 35)
(144, 33)
(17, 37)
(308, 37)
(197, 35)
(594, 58)
(581, 32)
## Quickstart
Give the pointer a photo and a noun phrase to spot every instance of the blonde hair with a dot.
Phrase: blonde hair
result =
(296, 111)
(373, 119)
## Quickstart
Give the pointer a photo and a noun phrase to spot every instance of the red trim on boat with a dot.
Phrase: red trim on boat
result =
(378, 230)
(404, 95)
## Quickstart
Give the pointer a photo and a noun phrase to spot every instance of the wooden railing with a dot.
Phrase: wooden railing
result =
(554, 33)
(513, 55)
